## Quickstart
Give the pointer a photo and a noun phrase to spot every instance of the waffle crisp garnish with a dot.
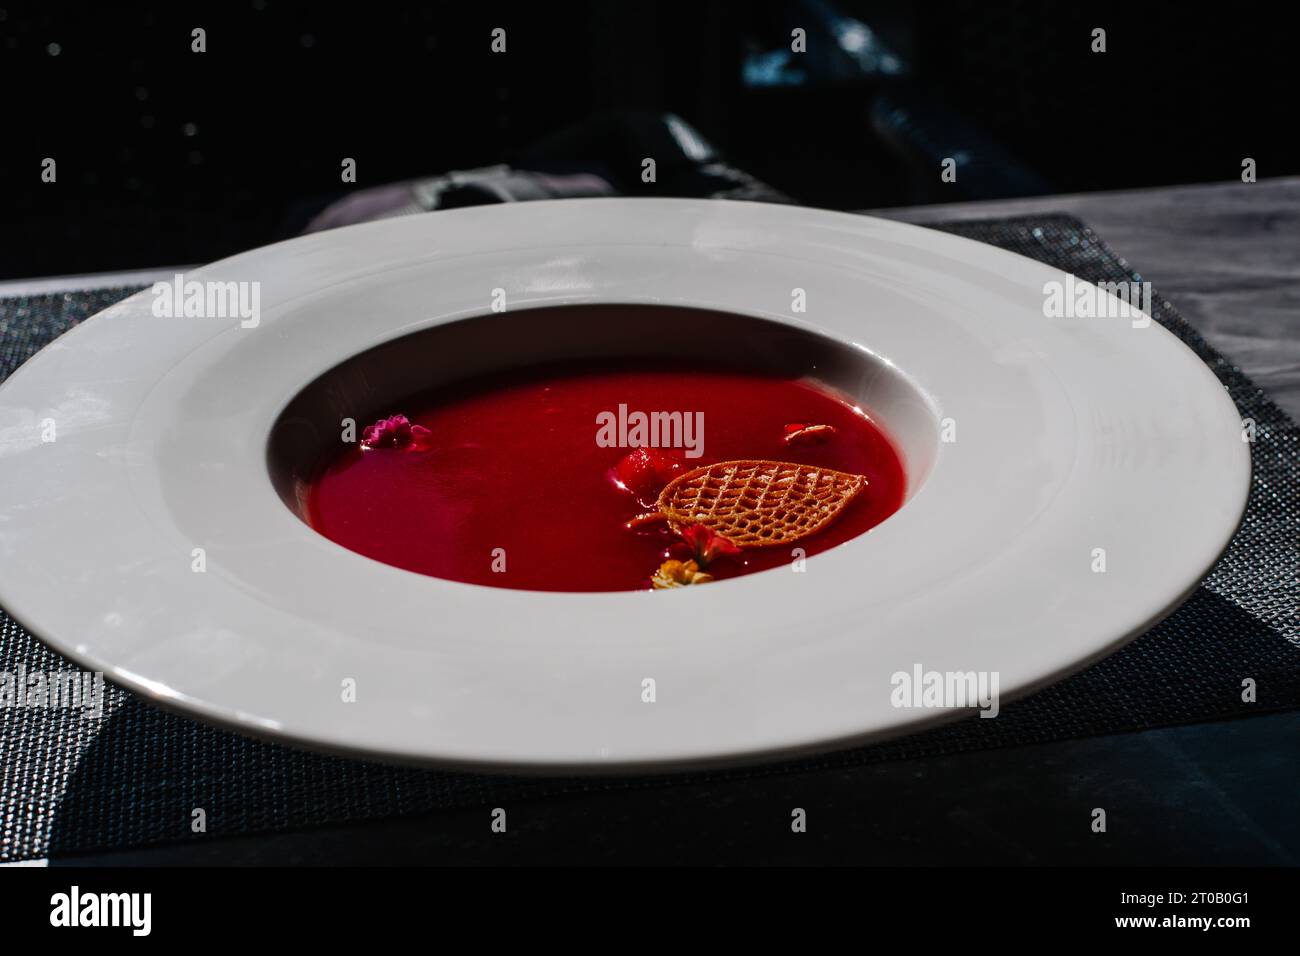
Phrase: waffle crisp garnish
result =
(758, 503)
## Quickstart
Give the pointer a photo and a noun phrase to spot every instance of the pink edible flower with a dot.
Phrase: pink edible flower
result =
(395, 431)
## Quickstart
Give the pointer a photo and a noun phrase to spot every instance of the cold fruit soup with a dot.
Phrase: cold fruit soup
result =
(600, 477)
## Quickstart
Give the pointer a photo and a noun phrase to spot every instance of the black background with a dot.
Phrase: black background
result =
(286, 90)
(334, 908)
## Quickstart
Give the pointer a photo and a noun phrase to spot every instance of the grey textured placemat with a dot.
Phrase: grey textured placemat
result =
(70, 784)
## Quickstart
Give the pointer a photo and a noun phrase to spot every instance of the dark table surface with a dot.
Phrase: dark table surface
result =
(1228, 256)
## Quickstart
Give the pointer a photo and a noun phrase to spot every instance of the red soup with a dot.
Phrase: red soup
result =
(529, 480)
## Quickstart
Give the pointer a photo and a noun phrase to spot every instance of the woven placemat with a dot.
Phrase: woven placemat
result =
(71, 784)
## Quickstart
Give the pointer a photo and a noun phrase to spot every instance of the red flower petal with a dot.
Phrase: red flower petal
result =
(707, 545)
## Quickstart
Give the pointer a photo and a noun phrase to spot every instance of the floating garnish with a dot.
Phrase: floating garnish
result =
(645, 470)
(802, 433)
(756, 503)
(679, 574)
(395, 431)
(706, 545)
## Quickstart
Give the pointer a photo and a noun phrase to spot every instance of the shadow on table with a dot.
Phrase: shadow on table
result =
(148, 773)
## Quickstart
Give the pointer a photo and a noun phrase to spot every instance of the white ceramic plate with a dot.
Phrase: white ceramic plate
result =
(1071, 435)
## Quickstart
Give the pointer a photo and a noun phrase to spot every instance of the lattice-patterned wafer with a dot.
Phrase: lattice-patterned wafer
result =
(758, 503)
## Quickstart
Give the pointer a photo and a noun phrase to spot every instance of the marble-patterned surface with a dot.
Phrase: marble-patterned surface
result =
(1227, 255)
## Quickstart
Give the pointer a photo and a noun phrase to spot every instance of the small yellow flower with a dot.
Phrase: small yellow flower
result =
(679, 574)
